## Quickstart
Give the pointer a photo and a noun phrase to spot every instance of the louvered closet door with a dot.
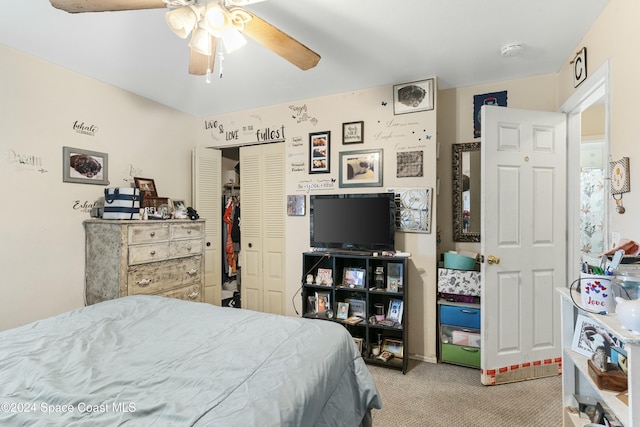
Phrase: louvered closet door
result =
(262, 227)
(207, 191)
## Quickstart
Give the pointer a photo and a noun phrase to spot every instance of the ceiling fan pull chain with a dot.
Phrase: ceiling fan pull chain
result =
(221, 55)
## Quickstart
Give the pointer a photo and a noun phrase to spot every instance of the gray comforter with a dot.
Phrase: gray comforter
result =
(153, 361)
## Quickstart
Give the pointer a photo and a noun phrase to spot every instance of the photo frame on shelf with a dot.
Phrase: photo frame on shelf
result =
(312, 304)
(413, 97)
(85, 167)
(394, 277)
(343, 310)
(361, 168)
(319, 152)
(357, 307)
(147, 187)
(393, 346)
(324, 277)
(394, 313)
(323, 299)
(353, 133)
(359, 344)
(589, 335)
(354, 277)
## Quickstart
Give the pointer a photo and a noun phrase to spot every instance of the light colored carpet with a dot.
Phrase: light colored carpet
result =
(444, 395)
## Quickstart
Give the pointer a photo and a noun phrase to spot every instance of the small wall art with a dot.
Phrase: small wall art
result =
(413, 209)
(352, 133)
(362, 168)
(493, 98)
(413, 97)
(84, 166)
(409, 164)
(296, 205)
(319, 152)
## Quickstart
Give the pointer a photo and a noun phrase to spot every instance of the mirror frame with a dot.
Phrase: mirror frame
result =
(456, 167)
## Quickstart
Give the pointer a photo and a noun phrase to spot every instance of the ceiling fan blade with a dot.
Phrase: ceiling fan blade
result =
(231, 3)
(78, 6)
(199, 63)
(279, 42)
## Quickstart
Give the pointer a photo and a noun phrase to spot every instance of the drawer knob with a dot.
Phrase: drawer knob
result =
(188, 231)
(153, 252)
(468, 311)
(153, 233)
(193, 295)
(192, 272)
(189, 248)
(143, 283)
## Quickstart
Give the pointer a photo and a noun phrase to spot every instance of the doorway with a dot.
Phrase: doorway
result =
(230, 206)
(594, 91)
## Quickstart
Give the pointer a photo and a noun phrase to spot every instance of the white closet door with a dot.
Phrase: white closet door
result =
(207, 193)
(262, 216)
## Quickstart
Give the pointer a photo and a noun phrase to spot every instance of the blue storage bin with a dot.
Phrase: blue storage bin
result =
(460, 316)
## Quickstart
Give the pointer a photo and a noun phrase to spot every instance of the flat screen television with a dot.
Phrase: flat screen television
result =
(353, 222)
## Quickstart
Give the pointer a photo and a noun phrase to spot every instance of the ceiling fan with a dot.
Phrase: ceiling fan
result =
(209, 22)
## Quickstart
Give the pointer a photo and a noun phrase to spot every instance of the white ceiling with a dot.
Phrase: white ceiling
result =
(362, 43)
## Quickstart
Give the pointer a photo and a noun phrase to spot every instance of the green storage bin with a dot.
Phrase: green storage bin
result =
(461, 355)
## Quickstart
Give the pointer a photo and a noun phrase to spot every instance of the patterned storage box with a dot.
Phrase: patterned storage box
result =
(459, 282)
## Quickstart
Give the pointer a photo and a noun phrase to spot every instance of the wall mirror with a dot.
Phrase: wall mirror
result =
(466, 192)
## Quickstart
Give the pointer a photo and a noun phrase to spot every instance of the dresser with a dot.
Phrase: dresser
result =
(159, 257)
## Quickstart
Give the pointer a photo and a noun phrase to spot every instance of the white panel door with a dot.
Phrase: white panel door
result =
(523, 241)
(251, 215)
(262, 223)
(207, 193)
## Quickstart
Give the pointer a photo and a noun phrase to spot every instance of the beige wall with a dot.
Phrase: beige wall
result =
(612, 38)
(455, 125)
(42, 252)
(382, 129)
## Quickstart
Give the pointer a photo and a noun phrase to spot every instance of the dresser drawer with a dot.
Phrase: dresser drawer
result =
(460, 316)
(188, 293)
(148, 253)
(165, 275)
(186, 230)
(182, 248)
(463, 355)
(148, 233)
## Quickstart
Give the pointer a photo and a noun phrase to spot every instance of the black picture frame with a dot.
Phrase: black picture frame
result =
(85, 167)
(320, 152)
(147, 187)
(353, 133)
(413, 96)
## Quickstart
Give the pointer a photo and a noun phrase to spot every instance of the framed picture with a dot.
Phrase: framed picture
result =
(588, 335)
(323, 301)
(319, 152)
(357, 308)
(413, 97)
(343, 310)
(312, 304)
(84, 166)
(353, 133)
(146, 186)
(179, 205)
(395, 310)
(393, 346)
(354, 277)
(296, 205)
(362, 168)
(324, 277)
(359, 344)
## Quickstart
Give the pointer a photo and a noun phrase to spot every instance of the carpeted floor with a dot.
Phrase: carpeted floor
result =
(444, 395)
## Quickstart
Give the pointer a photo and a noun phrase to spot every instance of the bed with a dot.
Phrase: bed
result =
(149, 360)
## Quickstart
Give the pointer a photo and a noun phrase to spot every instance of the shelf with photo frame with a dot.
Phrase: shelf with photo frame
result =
(367, 295)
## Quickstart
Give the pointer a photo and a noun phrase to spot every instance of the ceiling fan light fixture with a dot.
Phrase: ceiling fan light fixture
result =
(200, 41)
(216, 19)
(232, 39)
(182, 20)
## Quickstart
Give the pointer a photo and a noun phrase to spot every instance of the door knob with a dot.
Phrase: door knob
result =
(492, 259)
